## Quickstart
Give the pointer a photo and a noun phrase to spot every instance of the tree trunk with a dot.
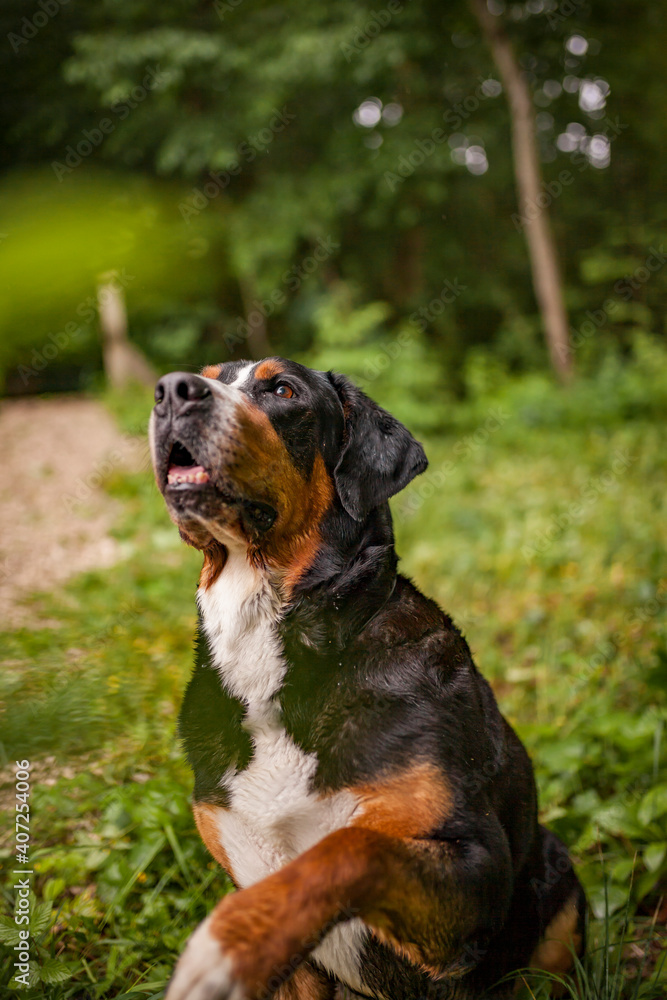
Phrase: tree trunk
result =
(123, 362)
(539, 236)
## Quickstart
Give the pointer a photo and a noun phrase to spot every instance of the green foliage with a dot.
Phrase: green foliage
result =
(231, 133)
(616, 389)
(120, 894)
(395, 364)
(66, 242)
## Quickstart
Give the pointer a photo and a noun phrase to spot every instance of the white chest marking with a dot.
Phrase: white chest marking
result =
(274, 813)
(240, 612)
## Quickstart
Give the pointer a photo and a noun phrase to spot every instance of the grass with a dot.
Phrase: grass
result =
(544, 538)
(615, 966)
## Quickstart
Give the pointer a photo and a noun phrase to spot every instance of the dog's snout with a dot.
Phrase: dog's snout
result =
(179, 391)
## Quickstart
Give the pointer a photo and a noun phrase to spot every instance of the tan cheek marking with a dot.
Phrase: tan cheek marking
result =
(269, 369)
(411, 803)
(263, 466)
(205, 818)
(265, 469)
(215, 557)
(561, 939)
(297, 553)
(211, 371)
(301, 561)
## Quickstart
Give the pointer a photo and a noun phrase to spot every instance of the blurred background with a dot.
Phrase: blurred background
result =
(463, 208)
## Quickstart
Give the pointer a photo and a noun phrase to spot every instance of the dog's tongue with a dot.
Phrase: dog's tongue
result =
(187, 474)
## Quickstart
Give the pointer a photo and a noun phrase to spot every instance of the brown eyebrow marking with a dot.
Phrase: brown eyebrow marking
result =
(211, 371)
(268, 369)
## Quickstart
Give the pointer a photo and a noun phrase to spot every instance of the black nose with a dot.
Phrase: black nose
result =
(180, 391)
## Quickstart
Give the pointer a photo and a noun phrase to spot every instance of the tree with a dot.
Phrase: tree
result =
(312, 146)
(530, 187)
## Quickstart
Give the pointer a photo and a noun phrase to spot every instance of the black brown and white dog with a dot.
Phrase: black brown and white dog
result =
(353, 773)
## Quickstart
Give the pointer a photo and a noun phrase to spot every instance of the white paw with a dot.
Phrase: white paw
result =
(203, 971)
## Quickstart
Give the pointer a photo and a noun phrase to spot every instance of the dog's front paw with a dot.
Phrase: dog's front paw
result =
(203, 971)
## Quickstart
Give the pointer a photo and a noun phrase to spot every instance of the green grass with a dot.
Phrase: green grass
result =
(564, 609)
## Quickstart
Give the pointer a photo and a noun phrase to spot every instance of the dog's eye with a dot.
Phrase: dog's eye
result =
(284, 391)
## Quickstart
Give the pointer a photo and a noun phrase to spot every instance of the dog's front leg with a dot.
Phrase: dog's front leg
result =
(421, 897)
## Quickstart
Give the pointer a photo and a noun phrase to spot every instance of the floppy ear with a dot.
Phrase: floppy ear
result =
(379, 456)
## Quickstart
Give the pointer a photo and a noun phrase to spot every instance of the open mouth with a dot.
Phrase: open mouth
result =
(185, 474)
(182, 468)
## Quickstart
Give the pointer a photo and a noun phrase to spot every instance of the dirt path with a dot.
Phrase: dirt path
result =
(55, 518)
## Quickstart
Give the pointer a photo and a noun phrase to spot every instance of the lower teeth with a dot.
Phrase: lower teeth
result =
(197, 477)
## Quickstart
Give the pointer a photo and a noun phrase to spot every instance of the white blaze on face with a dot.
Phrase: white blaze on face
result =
(243, 374)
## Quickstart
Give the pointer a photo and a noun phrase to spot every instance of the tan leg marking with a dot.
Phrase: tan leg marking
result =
(561, 939)
(204, 814)
(411, 803)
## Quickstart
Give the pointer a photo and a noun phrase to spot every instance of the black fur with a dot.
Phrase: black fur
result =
(379, 678)
(379, 455)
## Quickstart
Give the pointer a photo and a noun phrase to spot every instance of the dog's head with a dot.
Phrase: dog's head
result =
(256, 454)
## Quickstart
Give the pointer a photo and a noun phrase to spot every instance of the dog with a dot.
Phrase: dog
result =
(352, 772)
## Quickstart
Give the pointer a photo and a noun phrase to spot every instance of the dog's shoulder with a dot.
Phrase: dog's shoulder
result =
(404, 688)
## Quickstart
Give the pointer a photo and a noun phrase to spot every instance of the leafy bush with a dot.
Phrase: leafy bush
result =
(394, 365)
